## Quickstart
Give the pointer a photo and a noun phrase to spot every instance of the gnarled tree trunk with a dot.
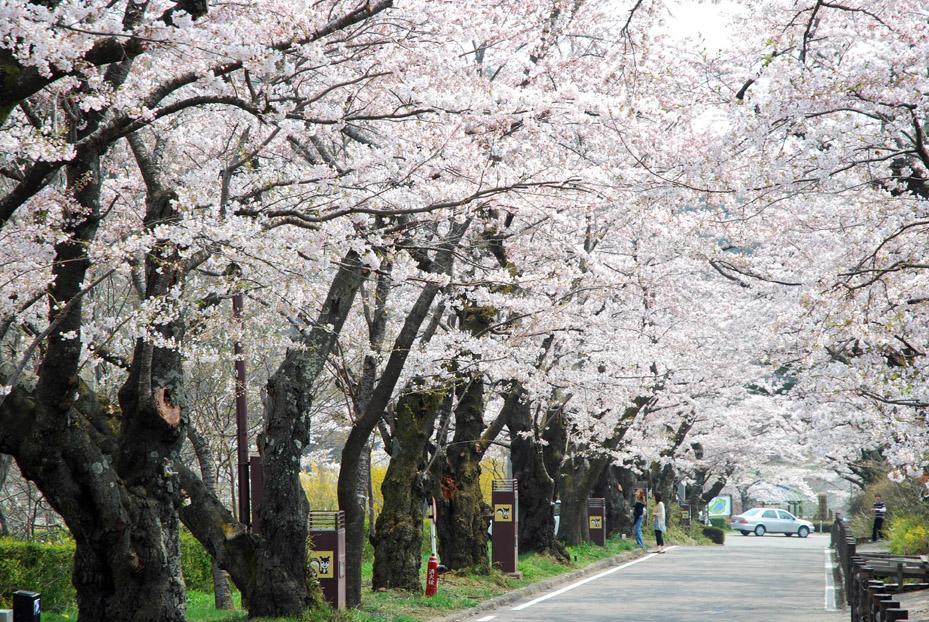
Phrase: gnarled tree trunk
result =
(461, 519)
(222, 595)
(112, 482)
(536, 485)
(283, 585)
(399, 532)
(358, 437)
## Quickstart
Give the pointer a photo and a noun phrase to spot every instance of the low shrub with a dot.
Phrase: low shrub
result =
(46, 568)
(715, 534)
(39, 567)
(907, 534)
(719, 522)
(196, 564)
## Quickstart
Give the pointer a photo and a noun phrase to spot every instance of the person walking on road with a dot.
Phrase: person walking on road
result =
(660, 526)
(879, 511)
(638, 514)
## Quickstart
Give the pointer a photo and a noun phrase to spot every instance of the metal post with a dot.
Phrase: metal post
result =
(596, 520)
(327, 559)
(241, 420)
(505, 536)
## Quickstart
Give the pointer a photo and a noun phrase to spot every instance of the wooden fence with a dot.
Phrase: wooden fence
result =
(873, 582)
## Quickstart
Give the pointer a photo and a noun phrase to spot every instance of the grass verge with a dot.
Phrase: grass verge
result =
(457, 590)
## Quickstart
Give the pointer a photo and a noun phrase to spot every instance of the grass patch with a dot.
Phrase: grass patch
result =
(456, 590)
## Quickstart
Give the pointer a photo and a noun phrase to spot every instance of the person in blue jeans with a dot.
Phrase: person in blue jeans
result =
(638, 514)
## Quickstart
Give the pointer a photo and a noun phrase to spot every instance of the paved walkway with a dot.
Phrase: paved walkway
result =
(772, 578)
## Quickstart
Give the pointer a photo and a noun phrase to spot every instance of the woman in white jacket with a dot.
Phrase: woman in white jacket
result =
(660, 526)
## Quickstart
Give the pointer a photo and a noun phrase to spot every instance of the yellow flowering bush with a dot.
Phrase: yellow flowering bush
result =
(908, 535)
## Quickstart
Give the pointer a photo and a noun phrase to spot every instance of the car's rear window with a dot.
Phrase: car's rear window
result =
(752, 512)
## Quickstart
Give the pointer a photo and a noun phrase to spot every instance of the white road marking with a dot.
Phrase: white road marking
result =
(485, 619)
(830, 604)
(587, 580)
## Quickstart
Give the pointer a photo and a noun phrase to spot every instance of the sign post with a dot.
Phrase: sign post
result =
(27, 606)
(720, 506)
(505, 500)
(596, 520)
(327, 559)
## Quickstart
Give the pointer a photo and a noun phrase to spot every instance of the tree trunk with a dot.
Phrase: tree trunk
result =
(399, 532)
(578, 476)
(369, 492)
(283, 585)
(269, 568)
(360, 434)
(222, 595)
(115, 490)
(536, 486)
(5, 461)
(618, 511)
(461, 520)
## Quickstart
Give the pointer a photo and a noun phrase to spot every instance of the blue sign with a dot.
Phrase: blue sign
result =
(720, 506)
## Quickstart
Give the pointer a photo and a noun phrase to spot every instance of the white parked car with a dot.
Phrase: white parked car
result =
(770, 520)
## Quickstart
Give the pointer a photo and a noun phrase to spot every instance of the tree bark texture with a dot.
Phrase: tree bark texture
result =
(222, 594)
(283, 585)
(399, 533)
(536, 485)
(359, 435)
(5, 462)
(578, 475)
(462, 515)
(618, 510)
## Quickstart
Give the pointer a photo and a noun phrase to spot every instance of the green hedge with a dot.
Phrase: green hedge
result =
(196, 564)
(715, 534)
(719, 522)
(46, 568)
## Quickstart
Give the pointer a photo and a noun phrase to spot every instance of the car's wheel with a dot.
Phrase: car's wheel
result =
(759, 530)
(743, 532)
(803, 531)
(788, 534)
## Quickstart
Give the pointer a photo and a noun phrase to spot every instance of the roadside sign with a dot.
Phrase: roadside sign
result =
(720, 506)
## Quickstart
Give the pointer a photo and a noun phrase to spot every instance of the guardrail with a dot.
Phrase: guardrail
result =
(873, 580)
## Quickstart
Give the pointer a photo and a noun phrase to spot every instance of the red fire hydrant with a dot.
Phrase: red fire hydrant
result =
(432, 567)
(432, 575)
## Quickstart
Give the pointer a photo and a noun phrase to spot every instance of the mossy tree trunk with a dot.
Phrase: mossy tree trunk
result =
(222, 595)
(536, 485)
(462, 516)
(580, 472)
(350, 474)
(5, 462)
(399, 531)
(618, 510)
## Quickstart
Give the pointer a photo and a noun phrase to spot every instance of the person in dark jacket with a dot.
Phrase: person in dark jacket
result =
(880, 510)
(638, 514)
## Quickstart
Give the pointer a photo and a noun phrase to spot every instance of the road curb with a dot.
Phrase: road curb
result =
(541, 586)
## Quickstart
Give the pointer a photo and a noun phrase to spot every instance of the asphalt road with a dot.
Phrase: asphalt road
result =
(772, 578)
